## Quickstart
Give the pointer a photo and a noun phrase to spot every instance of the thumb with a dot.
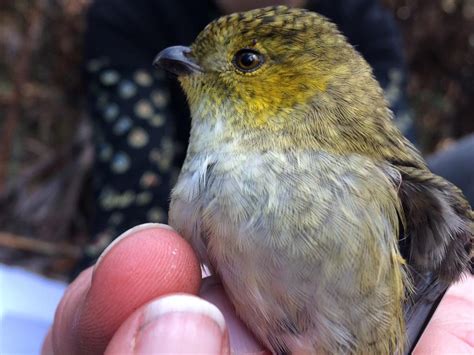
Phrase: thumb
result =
(175, 324)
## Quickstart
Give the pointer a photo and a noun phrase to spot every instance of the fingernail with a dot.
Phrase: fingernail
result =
(181, 324)
(128, 233)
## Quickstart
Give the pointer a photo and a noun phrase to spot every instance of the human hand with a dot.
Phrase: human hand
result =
(138, 299)
(451, 328)
(132, 302)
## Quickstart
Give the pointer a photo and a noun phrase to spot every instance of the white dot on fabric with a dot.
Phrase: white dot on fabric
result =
(112, 199)
(111, 112)
(120, 163)
(162, 157)
(160, 98)
(123, 125)
(105, 152)
(143, 109)
(142, 78)
(127, 89)
(143, 198)
(157, 120)
(149, 179)
(138, 138)
(156, 214)
(109, 77)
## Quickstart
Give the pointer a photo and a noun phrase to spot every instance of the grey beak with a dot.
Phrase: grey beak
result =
(175, 60)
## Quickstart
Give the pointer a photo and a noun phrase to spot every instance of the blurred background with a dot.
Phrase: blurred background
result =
(46, 150)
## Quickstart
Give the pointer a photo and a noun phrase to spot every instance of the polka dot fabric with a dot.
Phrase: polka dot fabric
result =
(135, 149)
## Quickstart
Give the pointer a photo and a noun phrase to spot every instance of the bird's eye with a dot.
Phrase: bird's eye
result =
(247, 60)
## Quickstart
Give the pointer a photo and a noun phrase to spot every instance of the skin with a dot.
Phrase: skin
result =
(101, 287)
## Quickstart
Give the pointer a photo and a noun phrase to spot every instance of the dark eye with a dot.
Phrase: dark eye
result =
(247, 60)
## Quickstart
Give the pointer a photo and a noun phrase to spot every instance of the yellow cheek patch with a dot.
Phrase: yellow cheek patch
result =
(274, 95)
(262, 99)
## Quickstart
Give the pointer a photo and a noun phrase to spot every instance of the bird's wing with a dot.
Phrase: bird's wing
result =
(439, 224)
(437, 241)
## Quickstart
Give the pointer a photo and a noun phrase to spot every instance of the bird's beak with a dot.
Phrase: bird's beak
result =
(176, 60)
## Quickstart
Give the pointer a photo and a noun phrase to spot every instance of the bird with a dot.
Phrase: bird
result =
(322, 221)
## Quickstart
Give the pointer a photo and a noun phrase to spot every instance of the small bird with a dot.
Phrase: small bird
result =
(322, 221)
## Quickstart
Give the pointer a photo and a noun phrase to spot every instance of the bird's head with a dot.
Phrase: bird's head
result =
(278, 69)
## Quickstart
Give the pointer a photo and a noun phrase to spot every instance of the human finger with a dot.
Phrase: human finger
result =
(173, 324)
(146, 262)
